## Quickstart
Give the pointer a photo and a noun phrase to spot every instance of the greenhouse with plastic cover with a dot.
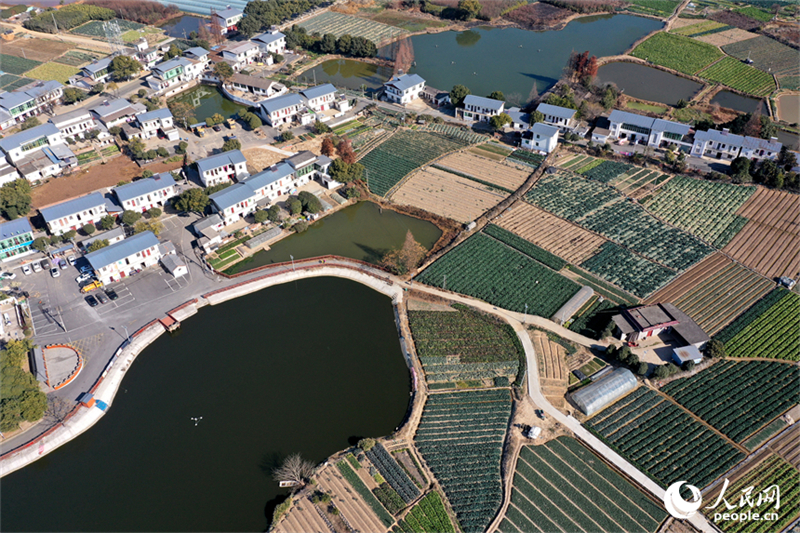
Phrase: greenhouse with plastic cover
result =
(594, 397)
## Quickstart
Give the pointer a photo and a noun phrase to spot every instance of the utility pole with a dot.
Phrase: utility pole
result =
(525, 319)
(127, 336)
(292, 257)
(444, 282)
(54, 21)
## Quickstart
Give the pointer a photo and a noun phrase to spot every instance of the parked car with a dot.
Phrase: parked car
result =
(86, 276)
(91, 286)
(86, 269)
(7, 275)
(45, 264)
(63, 265)
(55, 272)
(540, 414)
(112, 294)
(102, 298)
(71, 260)
(26, 270)
(36, 266)
(217, 127)
(91, 300)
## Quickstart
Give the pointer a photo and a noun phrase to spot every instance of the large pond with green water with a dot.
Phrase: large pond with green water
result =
(307, 367)
(647, 83)
(362, 231)
(208, 100)
(348, 73)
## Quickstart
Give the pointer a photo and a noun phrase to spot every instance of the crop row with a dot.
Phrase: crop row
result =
(766, 54)
(94, 28)
(526, 247)
(468, 469)
(362, 490)
(568, 195)
(668, 444)
(625, 269)
(606, 171)
(526, 157)
(738, 398)
(427, 516)
(752, 314)
(703, 208)
(733, 73)
(699, 28)
(389, 498)
(394, 475)
(458, 133)
(491, 271)
(677, 52)
(340, 24)
(17, 65)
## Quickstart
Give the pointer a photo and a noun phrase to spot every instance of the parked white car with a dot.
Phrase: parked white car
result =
(26, 270)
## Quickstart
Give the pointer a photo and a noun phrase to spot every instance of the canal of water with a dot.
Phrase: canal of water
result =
(362, 231)
(307, 367)
(647, 83)
(208, 100)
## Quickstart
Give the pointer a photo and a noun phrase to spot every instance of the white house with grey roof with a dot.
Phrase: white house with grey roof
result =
(241, 54)
(168, 75)
(562, 118)
(197, 53)
(49, 161)
(260, 88)
(281, 109)
(320, 98)
(479, 108)
(160, 119)
(28, 101)
(126, 257)
(234, 202)
(74, 214)
(228, 19)
(404, 88)
(98, 71)
(655, 132)
(540, 137)
(271, 42)
(147, 193)
(222, 168)
(7, 173)
(75, 123)
(115, 112)
(727, 146)
(24, 143)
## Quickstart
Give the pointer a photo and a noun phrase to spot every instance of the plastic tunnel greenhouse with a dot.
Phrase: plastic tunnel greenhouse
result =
(594, 397)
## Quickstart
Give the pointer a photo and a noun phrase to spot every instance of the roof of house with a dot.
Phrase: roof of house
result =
(270, 175)
(233, 157)
(649, 316)
(166, 66)
(254, 81)
(405, 81)
(319, 90)
(724, 137)
(488, 103)
(106, 235)
(98, 65)
(113, 109)
(144, 186)
(687, 353)
(122, 249)
(686, 328)
(65, 118)
(230, 196)
(238, 48)
(668, 126)
(18, 226)
(18, 139)
(543, 129)
(271, 105)
(323, 160)
(158, 114)
(197, 51)
(70, 207)
(6, 169)
(754, 143)
(268, 37)
(207, 222)
(633, 119)
(301, 159)
(556, 111)
(38, 88)
(229, 13)
(172, 263)
(14, 99)
(518, 116)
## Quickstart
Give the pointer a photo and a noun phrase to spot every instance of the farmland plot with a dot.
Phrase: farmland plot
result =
(553, 374)
(394, 475)
(627, 270)
(733, 73)
(353, 499)
(509, 177)
(723, 38)
(738, 397)
(562, 486)
(485, 268)
(606, 171)
(427, 516)
(461, 437)
(767, 54)
(17, 65)
(340, 24)
(700, 28)
(768, 329)
(677, 52)
(704, 208)
(661, 439)
(464, 345)
(94, 28)
(447, 195)
(36, 49)
(53, 71)
(568, 241)
(527, 248)
(768, 243)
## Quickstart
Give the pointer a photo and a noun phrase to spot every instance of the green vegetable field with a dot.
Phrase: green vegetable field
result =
(17, 65)
(427, 516)
(767, 54)
(677, 52)
(733, 73)
(625, 269)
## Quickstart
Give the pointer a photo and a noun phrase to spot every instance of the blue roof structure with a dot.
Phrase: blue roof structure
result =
(625, 117)
(26, 136)
(166, 66)
(154, 115)
(229, 13)
(660, 124)
(97, 66)
(268, 38)
(145, 186)
(319, 90)
(122, 249)
(219, 160)
(271, 105)
(230, 196)
(270, 175)
(42, 87)
(488, 103)
(70, 207)
(556, 111)
(197, 51)
(544, 130)
(18, 226)
(406, 81)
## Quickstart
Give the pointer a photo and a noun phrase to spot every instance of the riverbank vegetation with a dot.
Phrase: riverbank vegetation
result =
(261, 14)
(66, 18)
(20, 397)
(144, 11)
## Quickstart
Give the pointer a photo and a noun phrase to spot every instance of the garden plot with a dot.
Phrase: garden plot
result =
(642, 189)
(301, 518)
(769, 241)
(562, 486)
(723, 38)
(460, 437)
(17, 65)
(353, 499)
(663, 440)
(36, 49)
(94, 28)
(76, 58)
(700, 28)
(339, 24)
(568, 241)
(677, 52)
(526, 247)
(738, 398)
(733, 73)
(704, 208)
(605, 171)
(53, 71)
(553, 373)
(767, 54)
(447, 195)
(628, 270)
(427, 516)
(507, 176)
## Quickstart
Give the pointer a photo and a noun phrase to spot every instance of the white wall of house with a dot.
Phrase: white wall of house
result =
(77, 220)
(121, 269)
(406, 96)
(222, 174)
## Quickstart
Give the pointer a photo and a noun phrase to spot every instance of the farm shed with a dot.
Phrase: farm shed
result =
(594, 397)
(646, 321)
(573, 305)
(685, 354)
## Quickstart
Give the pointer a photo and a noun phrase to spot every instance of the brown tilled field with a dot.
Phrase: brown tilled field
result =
(696, 275)
(504, 175)
(258, 159)
(301, 518)
(447, 195)
(553, 372)
(347, 500)
(36, 49)
(726, 37)
(786, 445)
(568, 241)
(768, 243)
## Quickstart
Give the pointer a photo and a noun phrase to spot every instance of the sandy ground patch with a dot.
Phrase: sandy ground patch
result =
(36, 49)
(258, 159)
(723, 38)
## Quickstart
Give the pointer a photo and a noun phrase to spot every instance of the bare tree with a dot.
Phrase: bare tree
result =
(57, 409)
(404, 56)
(534, 94)
(294, 468)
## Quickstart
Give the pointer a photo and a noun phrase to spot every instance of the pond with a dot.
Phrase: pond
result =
(789, 108)
(265, 388)
(207, 100)
(348, 73)
(647, 83)
(362, 231)
(737, 102)
(181, 27)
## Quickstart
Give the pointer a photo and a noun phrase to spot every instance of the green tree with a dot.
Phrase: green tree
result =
(147, 173)
(231, 144)
(310, 202)
(344, 44)
(223, 71)
(661, 372)
(321, 127)
(181, 112)
(40, 243)
(287, 135)
(294, 205)
(499, 121)
(72, 95)
(260, 216)
(71, 234)
(195, 200)
(739, 170)
(96, 245)
(114, 130)
(366, 444)
(142, 93)
(162, 152)
(124, 67)
(300, 226)
(406, 258)
(688, 366)
(536, 117)
(15, 198)
(173, 51)
(768, 173)
(457, 95)
(181, 148)
(327, 45)
(498, 95)
(129, 218)
(97, 88)
(30, 122)
(55, 239)
(641, 368)
(21, 398)
(471, 8)
(715, 349)
(154, 212)
(254, 121)
(149, 225)
(107, 222)
(274, 213)
(150, 155)
(88, 229)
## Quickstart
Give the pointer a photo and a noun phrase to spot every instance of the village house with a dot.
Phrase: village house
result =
(562, 118)
(74, 124)
(540, 137)
(319, 98)
(228, 19)
(404, 88)
(197, 53)
(241, 54)
(28, 101)
(16, 238)
(24, 143)
(654, 132)
(221, 168)
(639, 323)
(145, 194)
(478, 108)
(171, 73)
(74, 214)
(160, 119)
(98, 71)
(234, 202)
(115, 112)
(519, 120)
(253, 85)
(8, 173)
(49, 161)
(144, 53)
(124, 258)
(115, 235)
(281, 109)
(271, 42)
(725, 145)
